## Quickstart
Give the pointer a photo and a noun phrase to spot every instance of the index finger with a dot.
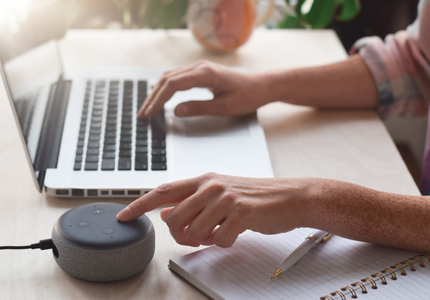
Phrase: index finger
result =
(168, 193)
(180, 82)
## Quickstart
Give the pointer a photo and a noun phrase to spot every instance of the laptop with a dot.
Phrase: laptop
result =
(83, 139)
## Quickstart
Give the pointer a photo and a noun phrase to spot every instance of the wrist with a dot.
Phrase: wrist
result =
(276, 85)
(300, 195)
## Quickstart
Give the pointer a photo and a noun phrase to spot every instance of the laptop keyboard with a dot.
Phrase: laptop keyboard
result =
(24, 107)
(115, 139)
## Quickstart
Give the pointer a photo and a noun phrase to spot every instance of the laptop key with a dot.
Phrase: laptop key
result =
(111, 128)
(141, 162)
(77, 167)
(93, 145)
(158, 151)
(97, 113)
(110, 134)
(142, 135)
(94, 137)
(92, 158)
(109, 148)
(127, 114)
(96, 125)
(107, 155)
(126, 139)
(78, 158)
(125, 133)
(82, 136)
(141, 150)
(96, 119)
(141, 143)
(158, 167)
(158, 159)
(93, 151)
(158, 126)
(80, 143)
(125, 146)
(124, 163)
(142, 122)
(108, 164)
(125, 153)
(110, 141)
(158, 144)
(91, 166)
(95, 131)
(79, 151)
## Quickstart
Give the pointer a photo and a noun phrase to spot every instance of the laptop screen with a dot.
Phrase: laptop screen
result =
(30, 64)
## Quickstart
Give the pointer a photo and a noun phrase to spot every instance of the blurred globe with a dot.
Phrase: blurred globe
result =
(222, 25)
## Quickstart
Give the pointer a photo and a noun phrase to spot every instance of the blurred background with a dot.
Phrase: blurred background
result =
(351, 19)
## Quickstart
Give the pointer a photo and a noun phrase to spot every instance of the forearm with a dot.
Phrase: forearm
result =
(347, 84)
(359, 213)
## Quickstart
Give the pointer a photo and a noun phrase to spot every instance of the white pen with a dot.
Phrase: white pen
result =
(310, 242)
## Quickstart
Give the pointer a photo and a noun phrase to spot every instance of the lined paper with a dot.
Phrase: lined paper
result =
(243, 271)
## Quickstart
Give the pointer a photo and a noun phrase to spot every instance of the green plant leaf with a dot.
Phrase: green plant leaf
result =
(290, 21)
(151, 14)
(299, 8)
(321, 13)
(350, 9)
(158, 14)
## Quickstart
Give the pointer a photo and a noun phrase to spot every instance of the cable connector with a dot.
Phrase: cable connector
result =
(42, 245)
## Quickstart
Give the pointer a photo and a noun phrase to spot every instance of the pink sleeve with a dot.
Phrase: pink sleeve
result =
(401, 67)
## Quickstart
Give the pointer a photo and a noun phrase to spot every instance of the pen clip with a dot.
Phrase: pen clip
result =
(324, 239)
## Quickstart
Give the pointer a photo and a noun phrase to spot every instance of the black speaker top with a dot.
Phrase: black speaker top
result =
(96, 226)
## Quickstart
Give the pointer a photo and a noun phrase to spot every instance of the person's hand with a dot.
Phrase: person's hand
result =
(235, 93)
(236, 204)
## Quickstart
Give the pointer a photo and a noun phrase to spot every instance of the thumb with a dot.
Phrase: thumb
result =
(196, 108)
(164, 212)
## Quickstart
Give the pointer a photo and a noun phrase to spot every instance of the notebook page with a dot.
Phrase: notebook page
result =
(243, 271)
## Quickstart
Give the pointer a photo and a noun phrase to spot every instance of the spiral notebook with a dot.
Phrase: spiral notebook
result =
(339, 269)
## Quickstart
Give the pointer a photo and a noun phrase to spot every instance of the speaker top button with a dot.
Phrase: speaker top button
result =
(108, 231)
(82, 224)
(97, 211)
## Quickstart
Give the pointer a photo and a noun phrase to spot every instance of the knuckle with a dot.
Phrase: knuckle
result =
(201, 62)
(215, 187)
(163, 189)
(208, 176)
(171, 221)
(137, 205)
(222, 242)
(194, 234)
(163, 78)
(207, 69)
(227, 198)
(171, 82)
(241, 209)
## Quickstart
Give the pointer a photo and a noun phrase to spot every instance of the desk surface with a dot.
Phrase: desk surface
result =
(350, 145)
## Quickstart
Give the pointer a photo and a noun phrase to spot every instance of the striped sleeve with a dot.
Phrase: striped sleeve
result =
(400, 69)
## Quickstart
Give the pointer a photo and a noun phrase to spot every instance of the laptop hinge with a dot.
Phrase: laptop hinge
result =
(52, 129)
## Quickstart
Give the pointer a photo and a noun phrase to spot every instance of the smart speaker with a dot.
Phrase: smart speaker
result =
(92, 244)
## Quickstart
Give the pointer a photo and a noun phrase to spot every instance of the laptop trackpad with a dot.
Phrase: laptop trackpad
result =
(214, 126)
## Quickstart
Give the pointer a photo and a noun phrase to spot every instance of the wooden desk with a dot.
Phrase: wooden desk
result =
(347, 145)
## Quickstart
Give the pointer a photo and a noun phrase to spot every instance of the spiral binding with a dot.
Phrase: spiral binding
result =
(388, 271)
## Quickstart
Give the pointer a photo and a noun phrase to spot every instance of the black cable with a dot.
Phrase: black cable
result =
(42, 245)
